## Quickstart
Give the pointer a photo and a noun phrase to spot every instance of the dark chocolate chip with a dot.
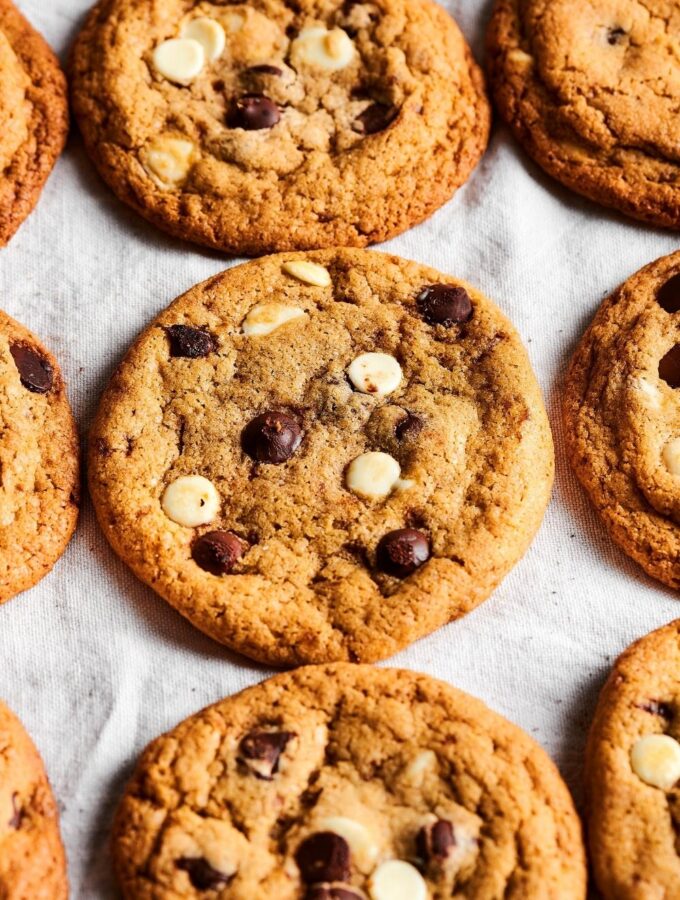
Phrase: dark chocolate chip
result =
(34, 370)
(191, 343)
(409, 427)
(658, 708)
(614, 35)
(202, 875)
(324, 856)
(445, 304)
(17, 813)
(217, 552)
(253, 112)
(261, 751)
(272, 437)
(336, 891)
(376, 117)
(436, 841)
(402, 551)
(265, 69)
(668, 295)
(669, 367)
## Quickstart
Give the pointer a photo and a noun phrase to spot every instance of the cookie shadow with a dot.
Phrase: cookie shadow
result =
(98, 878)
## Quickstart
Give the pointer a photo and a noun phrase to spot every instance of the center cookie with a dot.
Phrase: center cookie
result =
(254, 127)
(323, 457)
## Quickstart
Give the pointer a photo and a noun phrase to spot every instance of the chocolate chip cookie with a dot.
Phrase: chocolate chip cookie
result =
(590, 89)
(323, 456)
(39, 484)
(345, 782)
(32, 861)
(277, 125)
(633, 770)
(622, 420)
(33, 117)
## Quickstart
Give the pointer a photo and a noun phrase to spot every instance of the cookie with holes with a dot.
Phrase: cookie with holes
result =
(348, 782)
(590, 89)
(323, 456)
(32, 861)
(39, 466)
(622, 426)
(276, 125)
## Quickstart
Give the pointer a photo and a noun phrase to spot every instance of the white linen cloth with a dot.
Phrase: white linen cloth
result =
(96, 665)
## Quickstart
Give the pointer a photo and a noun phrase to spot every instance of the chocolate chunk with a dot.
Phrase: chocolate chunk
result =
(34, 370)
(253, 112)
(409, 427)
(272, 437)
(376, 117)
(445, 304)
(669, 367)
(333, 892)
(266, 70)
(436, 841)
(668, 295)
(614, 35)
(191, 343)
(261, 751)
(657, 708)
(17, 813)
(218, 552)
(402, 551)
(324, 856)
(202, 875)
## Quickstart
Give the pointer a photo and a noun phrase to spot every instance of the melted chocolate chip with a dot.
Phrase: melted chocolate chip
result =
(253, 112)
(409, 427)
(272, 437)
(436, 841)
(376, 117)
(217, 552)
(265, 69)
(333, 892)
(402, 551)
(668, 295)
(34, 370)
(17, 813)
(191, 343)
(658, 708)
(324, 857)
(614, 35)
(445, 304)
(669, 367)
(202, 875)
(261, 751)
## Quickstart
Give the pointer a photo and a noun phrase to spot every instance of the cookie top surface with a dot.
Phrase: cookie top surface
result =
(40, 486)
(590, 89)
(33, 117)
(272, 125)
(32, 861)
(315, 471)
(623, 418)
(335, 773)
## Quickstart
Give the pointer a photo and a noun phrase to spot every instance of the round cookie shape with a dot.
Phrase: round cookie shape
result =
(358, 520)
(32, 862)
(264, 126)
(622, 418)
(39, 460)
(590, 91)
(33, 117)
(384, 784)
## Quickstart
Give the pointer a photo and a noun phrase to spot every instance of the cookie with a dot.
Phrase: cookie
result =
(32, 861)
(39, 490)
(344, 782)
(33, 117)
(324, 456)
(273, 125)
(590, 91)
(622, 425)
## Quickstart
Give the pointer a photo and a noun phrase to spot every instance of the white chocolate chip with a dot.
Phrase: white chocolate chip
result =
(656, 760)
(179, 60)
(267, 317)
(649, 391)
(209, 34)
(397, 880)
(520, 58)
(671, 456)
(169, 159)
(373, 475)
(309, 272)
(420, 766)
(375, 373)
(324, 49)
(191, 500)
(362, 844)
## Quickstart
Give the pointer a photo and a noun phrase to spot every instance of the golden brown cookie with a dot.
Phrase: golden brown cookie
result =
(590, 88)
(33, 117)
(32, 861)
(323, 456)
(277, 125)
(39, 487)
(622, 418)
(344, 782)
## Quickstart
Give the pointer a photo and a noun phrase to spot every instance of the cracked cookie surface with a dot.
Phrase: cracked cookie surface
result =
(39, 469)
(272, 125)
(622, 419)
(590, 89)
(323, 471)
(33, 117)
(32, 861)
(332, 774)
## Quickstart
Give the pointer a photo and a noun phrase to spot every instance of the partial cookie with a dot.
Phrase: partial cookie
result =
(591, 89)
(254, 127)
(39, 488)
(345, 782)
(33, 117)
(32, 861)
(622, 417)
(324, 456)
